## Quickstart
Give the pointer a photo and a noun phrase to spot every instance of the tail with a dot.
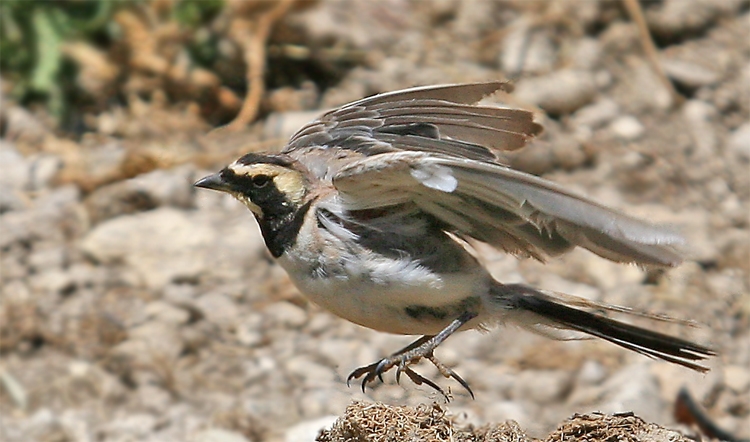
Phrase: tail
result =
(646, 342)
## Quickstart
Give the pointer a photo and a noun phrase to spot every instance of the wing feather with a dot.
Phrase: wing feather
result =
(506, 208)
(434, 149)
(448, 109)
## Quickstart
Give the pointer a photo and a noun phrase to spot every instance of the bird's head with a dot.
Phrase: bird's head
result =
(266, 184)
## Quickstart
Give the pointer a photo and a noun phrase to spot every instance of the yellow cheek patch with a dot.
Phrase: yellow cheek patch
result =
(288, 181)
(292, 184)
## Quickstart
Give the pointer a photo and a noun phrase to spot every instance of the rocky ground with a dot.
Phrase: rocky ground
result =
(133, 307)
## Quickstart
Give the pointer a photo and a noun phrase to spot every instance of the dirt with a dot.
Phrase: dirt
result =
(133, 307)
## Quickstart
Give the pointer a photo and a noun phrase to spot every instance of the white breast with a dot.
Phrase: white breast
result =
(373, 290)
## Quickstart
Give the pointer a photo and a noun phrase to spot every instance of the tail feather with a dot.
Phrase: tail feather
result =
(647, 342)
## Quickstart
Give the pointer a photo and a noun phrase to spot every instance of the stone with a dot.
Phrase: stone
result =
(286, 314)
(690, 74)
(739, 142)
(586, 54)
(560, 92)
(627, 127)
(541, 386)
(737, 378)
(699, 117)
(44, 169)
(596, 114)
(633, 388)
(218, 308)
(166, 312)
(161, 245)
(527, 49)
(307, 431)
(218, 435)
(15, 170)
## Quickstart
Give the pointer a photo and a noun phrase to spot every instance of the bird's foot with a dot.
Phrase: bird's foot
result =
(402, 360)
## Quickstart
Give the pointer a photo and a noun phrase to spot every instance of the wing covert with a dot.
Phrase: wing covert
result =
(443, 114)
(511, 210)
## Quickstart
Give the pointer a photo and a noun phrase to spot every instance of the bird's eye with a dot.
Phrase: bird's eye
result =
(260, 181)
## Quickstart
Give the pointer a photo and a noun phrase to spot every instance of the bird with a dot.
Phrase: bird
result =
(375, 210)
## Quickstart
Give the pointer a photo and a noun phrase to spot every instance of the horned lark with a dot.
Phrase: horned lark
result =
(372, 209)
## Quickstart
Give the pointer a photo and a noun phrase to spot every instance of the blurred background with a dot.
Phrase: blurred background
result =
(134, 308)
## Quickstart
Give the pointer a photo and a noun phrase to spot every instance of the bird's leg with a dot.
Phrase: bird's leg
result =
(413, 353)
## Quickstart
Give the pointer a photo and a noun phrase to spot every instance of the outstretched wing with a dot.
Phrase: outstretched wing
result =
(508, 209)
(431, 148)
(436, 119)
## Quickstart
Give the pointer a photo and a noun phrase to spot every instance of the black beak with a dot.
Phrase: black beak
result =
(213, 182)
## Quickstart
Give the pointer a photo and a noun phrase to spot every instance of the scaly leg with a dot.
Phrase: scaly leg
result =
(413, 353)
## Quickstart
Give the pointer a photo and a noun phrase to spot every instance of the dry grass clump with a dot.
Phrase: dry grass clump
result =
(378, 422)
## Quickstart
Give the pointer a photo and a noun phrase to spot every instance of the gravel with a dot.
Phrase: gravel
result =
(134, 308)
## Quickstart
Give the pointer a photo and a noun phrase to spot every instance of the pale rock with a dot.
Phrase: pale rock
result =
(591, 373)
(43, 423)
(142, 193)
(151, 343)
(136, 426)
(161, 245)
(634, 388)
(596, 114)
(286, 314)
(310, 372)
(307, 431)
(560, 92)
(586, 54)
(737, 378)
(15, 170)
(282, 125)
(319, 399)
(699, 117)
(218, 308)
(677, 17)
(568, 152)
(76, 425)
(153, 398)
(166, 312)
(258, 368)
(541, 386)
(218, 435)
(527, 49)
(21, 124)
(48, 258)
(608, 275)
(43, 170)
(334, 350)
(739, 142)
(180, 294)
(500, 411)
(15, 291)
(249, 331)
(690, 74)
(52, 281)
(627, 127)
(42, 221)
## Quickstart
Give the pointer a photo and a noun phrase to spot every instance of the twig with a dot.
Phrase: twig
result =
(255, 59)
(652, 54)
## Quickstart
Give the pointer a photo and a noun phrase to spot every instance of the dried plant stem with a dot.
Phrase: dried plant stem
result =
(255, 59)
(649, 48)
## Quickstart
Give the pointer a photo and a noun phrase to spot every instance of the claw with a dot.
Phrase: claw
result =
(449, 373)
(419, 380)
(420, 349)
(461, 381)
